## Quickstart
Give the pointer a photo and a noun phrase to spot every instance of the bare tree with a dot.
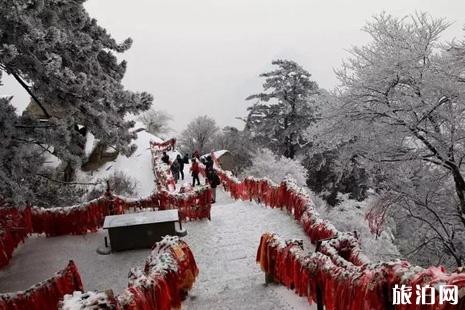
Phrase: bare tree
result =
(199, 135)
(157, 122)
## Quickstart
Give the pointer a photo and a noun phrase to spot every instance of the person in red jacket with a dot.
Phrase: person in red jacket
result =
(195, 172)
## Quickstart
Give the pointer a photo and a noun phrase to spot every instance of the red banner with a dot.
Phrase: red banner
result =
(45, 295)
(15, 225)
(161, 284)
(168, 274)
(337, 285)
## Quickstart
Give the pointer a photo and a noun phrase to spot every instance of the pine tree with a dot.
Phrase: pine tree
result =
(284, 110)
(67, 63)
(19, 162)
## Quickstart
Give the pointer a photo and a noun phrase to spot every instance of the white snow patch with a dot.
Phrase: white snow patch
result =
(137, 166)
(217, 154)
(79, 300)
(51, 161)
(90, 144)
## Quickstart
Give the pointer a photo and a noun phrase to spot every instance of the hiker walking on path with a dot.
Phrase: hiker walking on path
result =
(186, 159)
(175, 170)
(181, 166)
(195, 172)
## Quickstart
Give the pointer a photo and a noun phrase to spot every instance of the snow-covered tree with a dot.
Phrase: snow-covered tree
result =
(266, 164)
(66, 62)
(331, 174)
(120, 184)
(19, 162)
(284, 108)
(398, 89)
(400, 113)
(349, 215)
(157, 122)
(199, 135)
(422, 203)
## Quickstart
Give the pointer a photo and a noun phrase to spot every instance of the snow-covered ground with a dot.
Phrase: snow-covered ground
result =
(40, 257)
(224, 248)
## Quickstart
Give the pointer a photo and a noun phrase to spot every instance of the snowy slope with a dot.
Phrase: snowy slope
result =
(137, 166)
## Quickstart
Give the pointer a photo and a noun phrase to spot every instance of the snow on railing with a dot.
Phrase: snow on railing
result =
(339, 267)
(44, 295)
(324, 280)
(169, 272)
(297, 202)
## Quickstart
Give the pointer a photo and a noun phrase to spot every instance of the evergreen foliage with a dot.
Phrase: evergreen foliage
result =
(284, 110)
(67, 62)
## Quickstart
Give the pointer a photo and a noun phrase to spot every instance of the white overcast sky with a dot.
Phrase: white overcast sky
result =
(203, 56)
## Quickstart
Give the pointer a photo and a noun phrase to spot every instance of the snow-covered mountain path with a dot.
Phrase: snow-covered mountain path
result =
(225, 250)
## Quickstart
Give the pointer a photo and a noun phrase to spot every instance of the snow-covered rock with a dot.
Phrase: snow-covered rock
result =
(138, 166)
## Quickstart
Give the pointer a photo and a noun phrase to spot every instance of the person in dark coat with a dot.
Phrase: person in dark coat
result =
(165, 158)
(175, 170)
(214, 181)
(195, 172)
(181, 166)
(186, 159)
(209, 163)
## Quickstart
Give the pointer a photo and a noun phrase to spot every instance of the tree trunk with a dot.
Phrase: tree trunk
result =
(291, 146)
(291, 150)
(458, 261)
(460, 190)
(68, 173)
